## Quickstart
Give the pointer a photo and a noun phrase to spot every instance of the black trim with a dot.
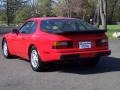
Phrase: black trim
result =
(104, 53)
(70, 57)
(75, 32)
(77, 56)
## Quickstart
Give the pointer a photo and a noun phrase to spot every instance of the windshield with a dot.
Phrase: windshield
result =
(66, 25)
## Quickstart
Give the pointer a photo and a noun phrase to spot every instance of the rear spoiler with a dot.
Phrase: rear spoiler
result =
(77, 32)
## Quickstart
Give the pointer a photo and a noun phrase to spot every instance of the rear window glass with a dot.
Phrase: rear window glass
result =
(66, 25)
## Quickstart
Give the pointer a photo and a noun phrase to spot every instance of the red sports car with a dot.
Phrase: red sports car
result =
(48, 39)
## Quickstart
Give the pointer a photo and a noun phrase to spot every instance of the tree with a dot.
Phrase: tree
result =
(72, 8)
(44, 7)
(103, 13)
(10, 7)
(22, 14)
(12, 10)
(112, 6)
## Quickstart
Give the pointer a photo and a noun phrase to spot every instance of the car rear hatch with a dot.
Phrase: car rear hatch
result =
(74, 35)
(83, 41)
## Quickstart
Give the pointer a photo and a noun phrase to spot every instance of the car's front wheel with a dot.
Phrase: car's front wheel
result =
(35, 60)
(5, 49)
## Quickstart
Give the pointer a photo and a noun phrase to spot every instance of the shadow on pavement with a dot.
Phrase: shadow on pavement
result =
(106, 64)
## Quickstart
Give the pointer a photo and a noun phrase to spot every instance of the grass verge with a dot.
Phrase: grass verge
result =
(112, 29)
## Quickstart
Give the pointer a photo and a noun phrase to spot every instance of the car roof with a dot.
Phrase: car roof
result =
(46, 18)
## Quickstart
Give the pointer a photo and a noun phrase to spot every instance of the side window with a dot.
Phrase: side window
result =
(28, 28)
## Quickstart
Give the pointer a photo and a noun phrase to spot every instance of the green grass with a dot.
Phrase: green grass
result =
(112, 29)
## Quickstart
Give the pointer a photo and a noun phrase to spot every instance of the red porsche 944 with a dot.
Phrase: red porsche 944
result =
(48, 39)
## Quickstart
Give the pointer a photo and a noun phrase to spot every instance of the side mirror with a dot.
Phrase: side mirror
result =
(15, 31)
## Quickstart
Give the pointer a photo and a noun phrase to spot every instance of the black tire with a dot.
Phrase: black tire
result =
(5, 51)
(94, 61)
(37, 65)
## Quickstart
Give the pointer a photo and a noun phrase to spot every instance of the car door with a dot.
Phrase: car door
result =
(24, 38)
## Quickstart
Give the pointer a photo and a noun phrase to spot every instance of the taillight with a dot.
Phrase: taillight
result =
(62, 44)
(102, 42)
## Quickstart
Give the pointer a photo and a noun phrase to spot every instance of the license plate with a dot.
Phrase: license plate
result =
(85, 45)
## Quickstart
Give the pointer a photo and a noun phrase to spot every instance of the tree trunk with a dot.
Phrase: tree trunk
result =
(97, 15)
(103, 13)
(68, 8)
(112, 11)
(7, 13)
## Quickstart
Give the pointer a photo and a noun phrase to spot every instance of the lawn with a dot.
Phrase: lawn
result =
(112, 29)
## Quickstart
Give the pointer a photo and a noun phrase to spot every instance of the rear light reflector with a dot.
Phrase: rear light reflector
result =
(62, 44)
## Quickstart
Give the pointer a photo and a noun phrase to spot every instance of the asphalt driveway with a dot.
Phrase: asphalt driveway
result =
(16, 74)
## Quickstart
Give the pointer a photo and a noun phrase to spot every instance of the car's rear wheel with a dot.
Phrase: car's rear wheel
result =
(5, 49)
(35, 60)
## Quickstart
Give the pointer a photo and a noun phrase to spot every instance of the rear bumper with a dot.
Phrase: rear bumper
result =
(76, 55)
(84, 55)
